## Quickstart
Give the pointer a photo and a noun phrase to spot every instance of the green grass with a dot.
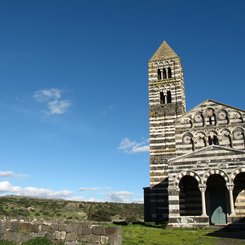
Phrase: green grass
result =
(140, 235)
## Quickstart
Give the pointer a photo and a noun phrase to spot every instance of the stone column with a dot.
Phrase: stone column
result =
(202, 188)
(230, 188)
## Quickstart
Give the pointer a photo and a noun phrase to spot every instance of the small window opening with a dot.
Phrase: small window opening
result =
(169, 97)
(212, 120)
(159, 74)
(162, 98)
(169, 72)
(164, 73)
(215, 140)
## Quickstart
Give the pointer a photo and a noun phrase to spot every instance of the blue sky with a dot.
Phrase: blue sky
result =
(73, 79)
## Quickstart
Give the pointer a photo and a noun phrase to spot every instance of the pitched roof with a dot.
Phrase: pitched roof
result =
(205, 102)
(208, 152)
(164, 52)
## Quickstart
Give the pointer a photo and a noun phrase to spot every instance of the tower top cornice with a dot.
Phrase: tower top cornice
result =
(164, 52)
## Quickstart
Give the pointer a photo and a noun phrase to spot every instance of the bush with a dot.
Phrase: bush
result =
(2, 242)
(23, 212)
(101, 215)
(2, 211)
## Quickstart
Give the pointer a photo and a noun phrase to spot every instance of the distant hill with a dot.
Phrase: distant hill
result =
(51, 209)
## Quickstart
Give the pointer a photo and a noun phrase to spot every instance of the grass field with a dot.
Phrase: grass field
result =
(140, 235)
(61, 210)
(48, 209)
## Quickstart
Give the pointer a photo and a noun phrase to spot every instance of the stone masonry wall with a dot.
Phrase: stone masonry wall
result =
(67, 233)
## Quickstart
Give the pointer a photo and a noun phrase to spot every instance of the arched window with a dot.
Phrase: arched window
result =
(159, 74)
(169, 97)
(211, 116)
(213, 140)
(162, 98)
(164, 73)
(212, 120)
(169, 72)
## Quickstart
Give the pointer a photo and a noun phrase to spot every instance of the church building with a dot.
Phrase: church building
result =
(197, 158)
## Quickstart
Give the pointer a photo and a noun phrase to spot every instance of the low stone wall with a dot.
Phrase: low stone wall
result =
(70, 233)
(189, 221)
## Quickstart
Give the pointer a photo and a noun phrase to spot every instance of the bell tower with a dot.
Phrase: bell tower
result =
(166, 103)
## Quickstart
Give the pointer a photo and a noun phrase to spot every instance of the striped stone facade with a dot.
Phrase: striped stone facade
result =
(197, 158)
(166, 103)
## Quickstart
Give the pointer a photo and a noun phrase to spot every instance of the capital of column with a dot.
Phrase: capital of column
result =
(202, 187)
(230, 186)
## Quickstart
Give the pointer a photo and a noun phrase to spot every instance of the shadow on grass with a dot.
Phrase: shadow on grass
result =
(146, 224)
(234, 230)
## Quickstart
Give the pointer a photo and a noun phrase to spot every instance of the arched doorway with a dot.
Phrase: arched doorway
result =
(216, 196)
(189, 197)
(239, 194)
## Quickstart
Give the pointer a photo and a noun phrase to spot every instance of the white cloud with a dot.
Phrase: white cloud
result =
(130, 146)
(7, 187)
(12, 174)
(84, 199)
(100, 194)
(52, 99)
(89, 188)
(47, 94)
(106, 194)
(58, 106)
(120, 196)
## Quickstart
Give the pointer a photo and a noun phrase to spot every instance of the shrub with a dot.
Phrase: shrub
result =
(23, 212)
(101, 215)
(2, 242)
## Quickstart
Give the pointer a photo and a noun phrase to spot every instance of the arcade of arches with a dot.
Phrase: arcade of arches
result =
(215, 197)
